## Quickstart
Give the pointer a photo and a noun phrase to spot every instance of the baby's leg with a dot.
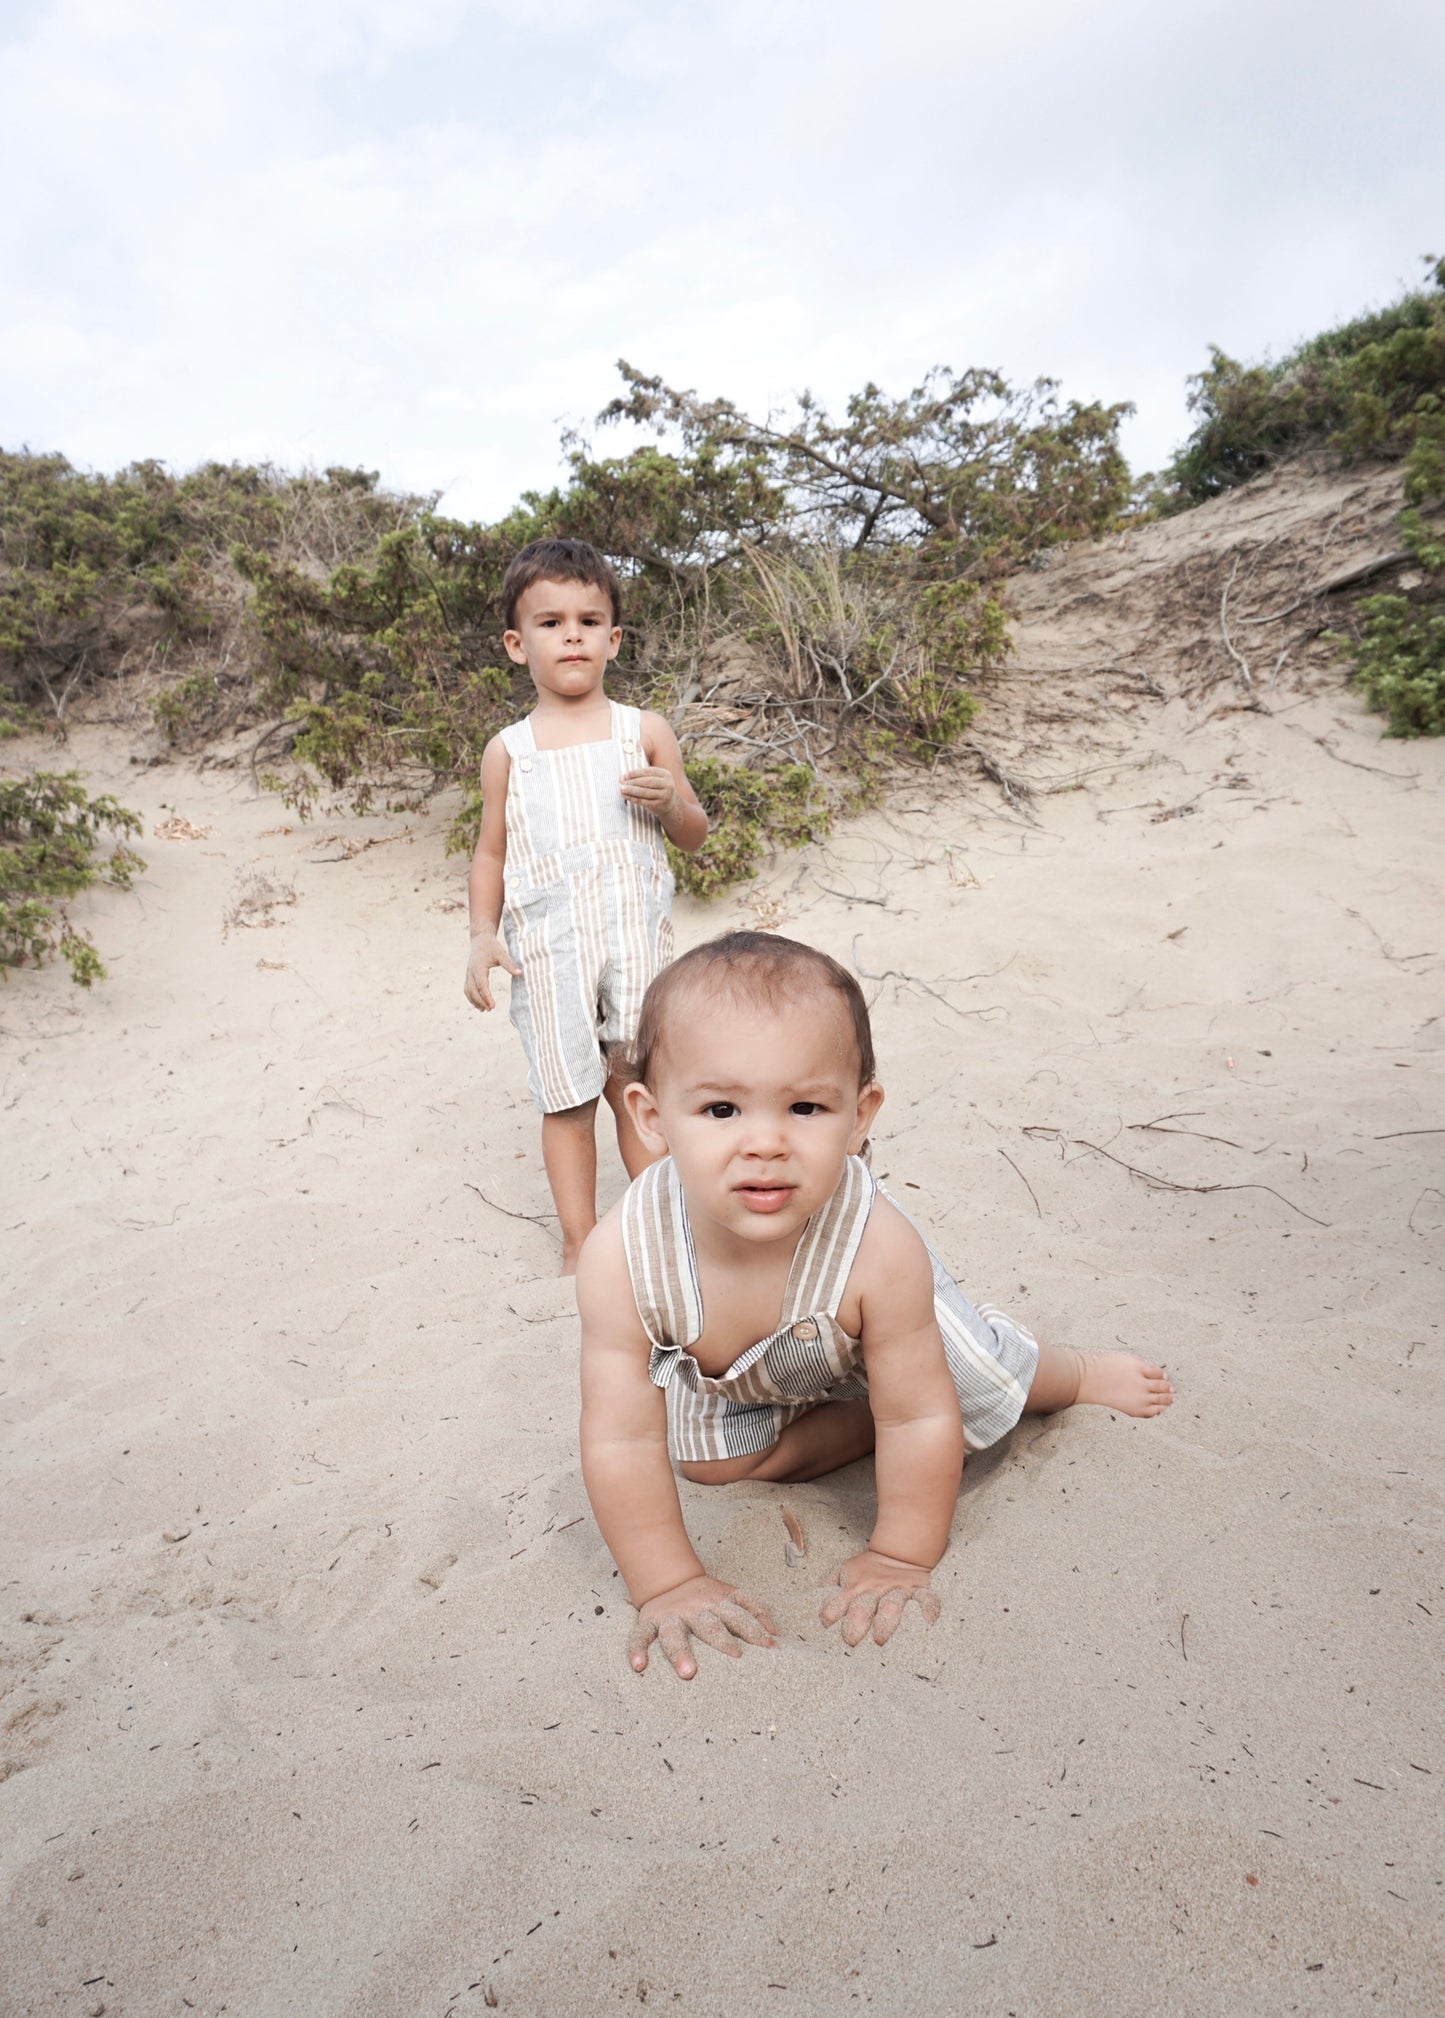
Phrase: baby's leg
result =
(827, 1437)
(1118, 1380)
(569, 1150)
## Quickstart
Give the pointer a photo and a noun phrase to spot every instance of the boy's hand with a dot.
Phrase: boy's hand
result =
(655, 788)
(874, 1589)
(487, 952)
(701, 1608)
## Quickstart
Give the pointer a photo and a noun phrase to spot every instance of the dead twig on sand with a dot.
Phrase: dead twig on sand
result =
(1326, 743)
(1345, 580)
(1159, 1183)
(914, 981)
(795, 1548)
(1395, 959)
(1244, 672)
(535, 1218)
(1430, 1191)
(1027, 1186)
(1156, 1127)
(1017, 792)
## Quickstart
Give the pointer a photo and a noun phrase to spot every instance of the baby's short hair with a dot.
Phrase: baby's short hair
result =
(758, 966)
(558, 561)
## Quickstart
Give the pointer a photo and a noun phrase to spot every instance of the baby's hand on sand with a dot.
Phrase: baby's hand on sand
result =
(654, 788)
(487, 952)
(704, 1609)
(874, 1589)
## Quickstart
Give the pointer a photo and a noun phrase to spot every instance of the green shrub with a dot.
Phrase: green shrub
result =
(1374, 386)
(50, 832)
(750, 811)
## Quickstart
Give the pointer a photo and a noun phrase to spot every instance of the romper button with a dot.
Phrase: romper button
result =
(806, 1329)
(526, 763)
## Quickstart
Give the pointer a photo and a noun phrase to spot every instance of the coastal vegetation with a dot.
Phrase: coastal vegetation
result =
(815, 596)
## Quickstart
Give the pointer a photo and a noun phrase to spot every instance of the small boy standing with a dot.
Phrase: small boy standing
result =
(757, 1307)
(570, 864)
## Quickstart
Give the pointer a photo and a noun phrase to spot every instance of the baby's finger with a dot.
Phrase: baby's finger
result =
(638, 1641)
(708, 1626)
(859, 1617)
(886, 1618)
(672, 1637)
(744, 1623)
(928, 1603)
(834, 1606)
(758, 1609)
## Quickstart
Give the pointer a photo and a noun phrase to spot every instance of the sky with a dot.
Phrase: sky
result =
(416, 236)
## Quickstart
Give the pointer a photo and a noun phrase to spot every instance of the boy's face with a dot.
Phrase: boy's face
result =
(759, 1108)
(564, 636)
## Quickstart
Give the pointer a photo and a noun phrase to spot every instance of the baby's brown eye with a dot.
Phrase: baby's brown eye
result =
(720, 1110)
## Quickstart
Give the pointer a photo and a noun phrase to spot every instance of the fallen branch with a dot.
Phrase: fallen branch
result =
(1245, 673)
(536, 1218)
(1027, 1186)
(1152, 1177)
(1345, 580)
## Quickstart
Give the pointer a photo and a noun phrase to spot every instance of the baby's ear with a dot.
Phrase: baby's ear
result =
(638, 1101)
(870, 1099)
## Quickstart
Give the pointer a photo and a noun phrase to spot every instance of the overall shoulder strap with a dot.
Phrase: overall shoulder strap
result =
(824, 1259)
(518, 738)
(626, 723)
(660, 1260)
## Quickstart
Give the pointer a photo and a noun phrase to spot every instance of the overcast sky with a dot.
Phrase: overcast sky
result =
(416, 234)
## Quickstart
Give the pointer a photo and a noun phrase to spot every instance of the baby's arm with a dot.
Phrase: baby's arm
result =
(663, 787)
(630, 1481)
(484, 884)
(919, 1433)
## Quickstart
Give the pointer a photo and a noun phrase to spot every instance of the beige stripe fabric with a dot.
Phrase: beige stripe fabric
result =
(588, 893)
(809, 1358)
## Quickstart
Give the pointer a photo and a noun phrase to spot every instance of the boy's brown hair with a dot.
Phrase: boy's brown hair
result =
(557, 561)
(759, 965)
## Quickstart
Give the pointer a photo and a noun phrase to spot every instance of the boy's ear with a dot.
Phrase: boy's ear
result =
(614, 641)
(870, 1099)
(638, 1101)
(516, 651)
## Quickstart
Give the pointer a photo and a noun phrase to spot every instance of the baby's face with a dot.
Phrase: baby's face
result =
(759, 1107)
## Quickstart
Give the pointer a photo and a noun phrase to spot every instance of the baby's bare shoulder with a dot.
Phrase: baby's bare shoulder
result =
(604, 1281)
(891, 1249)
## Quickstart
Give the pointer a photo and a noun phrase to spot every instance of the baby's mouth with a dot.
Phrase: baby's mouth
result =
(765, 1197)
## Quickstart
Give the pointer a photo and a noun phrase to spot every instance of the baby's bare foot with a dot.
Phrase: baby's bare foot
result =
(569, 1259)
(1124, 1381)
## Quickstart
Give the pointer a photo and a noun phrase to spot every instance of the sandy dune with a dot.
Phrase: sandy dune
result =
(314, 1698)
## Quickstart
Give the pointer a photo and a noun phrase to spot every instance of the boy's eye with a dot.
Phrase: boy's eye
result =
(806, 1107)
(720, 1110)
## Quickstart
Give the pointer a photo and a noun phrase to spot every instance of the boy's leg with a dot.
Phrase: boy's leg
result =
(630, 1147)
(1118, 1380)
(823, 1440)
(569, 1151)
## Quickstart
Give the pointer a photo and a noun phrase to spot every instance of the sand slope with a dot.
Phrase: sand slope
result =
(314, 1699)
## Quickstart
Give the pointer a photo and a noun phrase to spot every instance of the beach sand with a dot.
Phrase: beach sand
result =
(315, 1698)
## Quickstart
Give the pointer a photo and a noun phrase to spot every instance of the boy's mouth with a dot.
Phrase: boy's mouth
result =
(765, 1197)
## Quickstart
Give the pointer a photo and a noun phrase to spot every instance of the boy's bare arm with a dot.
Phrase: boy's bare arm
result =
(919, 1445)
(484, 883)
(663, 787)
(629, 1476)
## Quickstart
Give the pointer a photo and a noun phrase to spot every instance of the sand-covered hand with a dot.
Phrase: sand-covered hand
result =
(718, 1614)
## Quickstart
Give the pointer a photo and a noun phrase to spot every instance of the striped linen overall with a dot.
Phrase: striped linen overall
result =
(809, 1358)
(587, 905)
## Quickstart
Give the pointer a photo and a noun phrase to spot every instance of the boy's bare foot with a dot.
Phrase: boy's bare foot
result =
(1124, 1381)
